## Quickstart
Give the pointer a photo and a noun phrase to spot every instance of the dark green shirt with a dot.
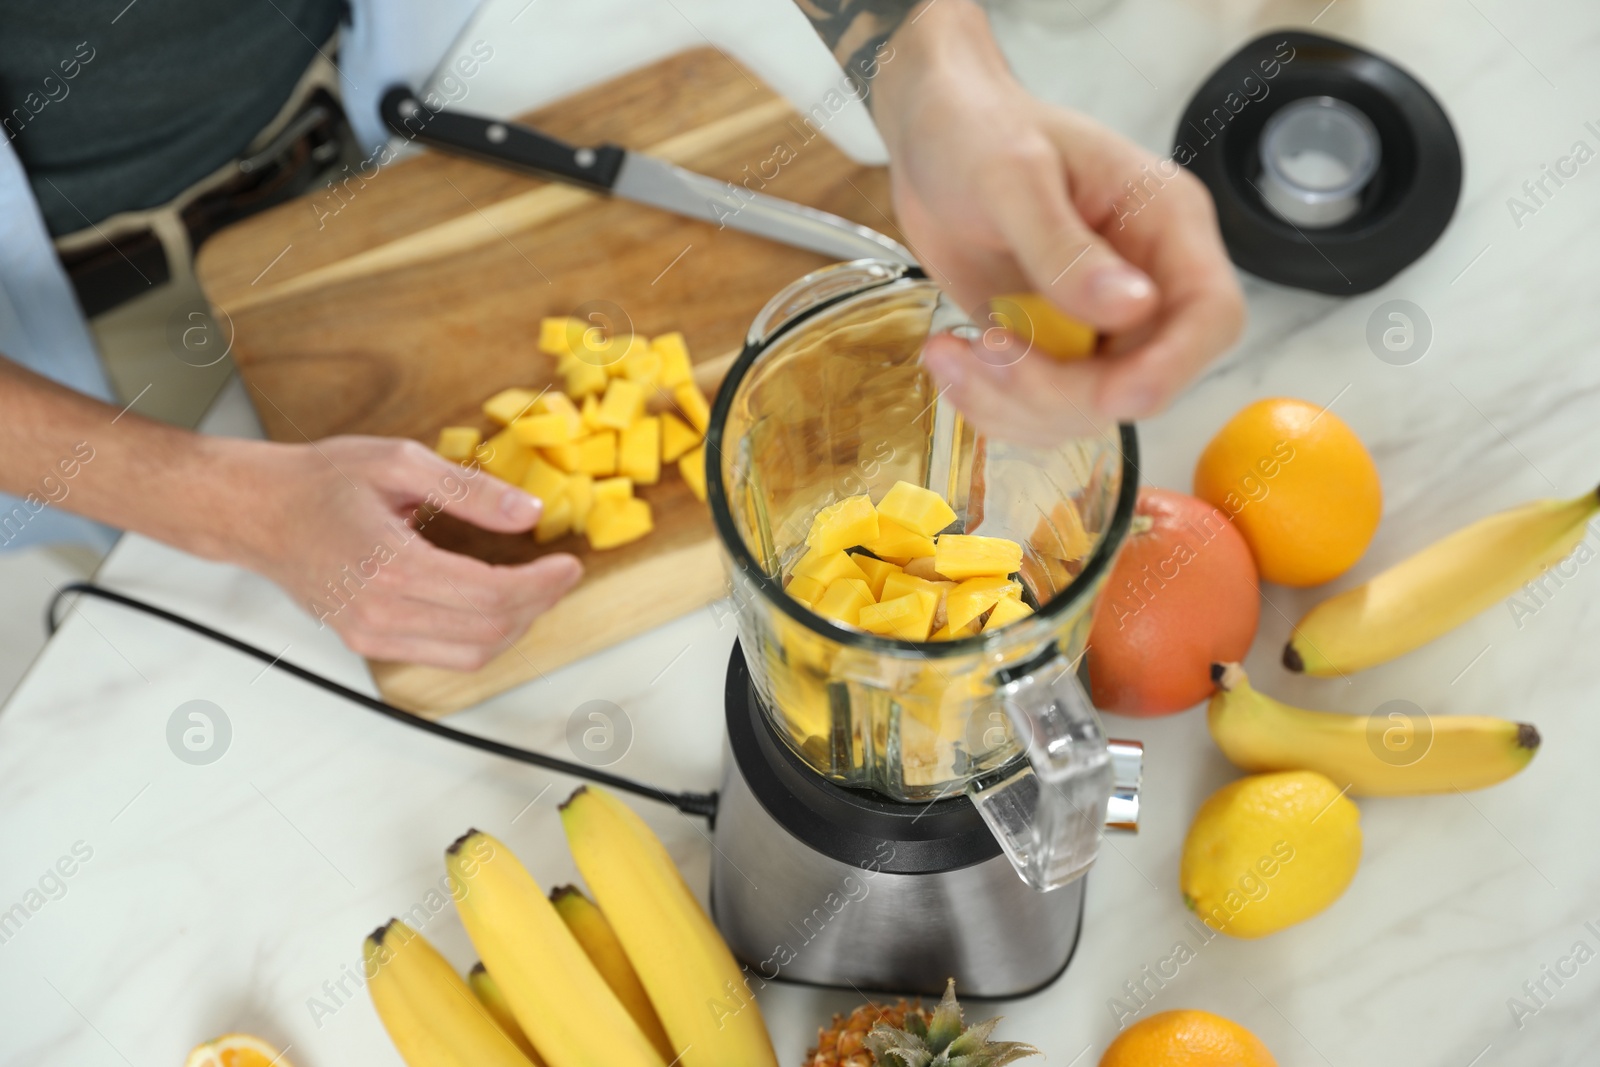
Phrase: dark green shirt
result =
(115, 106)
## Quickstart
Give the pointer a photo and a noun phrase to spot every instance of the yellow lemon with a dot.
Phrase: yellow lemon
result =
(1268, 851)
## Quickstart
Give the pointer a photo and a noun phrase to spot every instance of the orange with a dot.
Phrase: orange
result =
(1187, 1039)
(1300, 486)
(236, 1050)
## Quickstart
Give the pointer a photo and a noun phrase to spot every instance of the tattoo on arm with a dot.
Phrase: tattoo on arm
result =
(856, 32)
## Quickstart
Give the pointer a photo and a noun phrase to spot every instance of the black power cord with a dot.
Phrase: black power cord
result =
(702, 804)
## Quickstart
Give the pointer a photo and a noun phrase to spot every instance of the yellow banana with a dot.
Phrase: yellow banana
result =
(696, 986)
(1439, 588)
(430, 1014)
(590, 926)
(1388, 756)
(557, 996)
(487, 990)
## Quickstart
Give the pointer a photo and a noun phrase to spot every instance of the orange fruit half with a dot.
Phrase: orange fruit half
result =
(236, 1050)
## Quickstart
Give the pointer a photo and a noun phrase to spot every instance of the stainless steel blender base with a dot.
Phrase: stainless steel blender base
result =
(878, 895)
(793, 914)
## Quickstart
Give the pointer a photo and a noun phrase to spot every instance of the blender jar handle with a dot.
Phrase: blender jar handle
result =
(1049, 816)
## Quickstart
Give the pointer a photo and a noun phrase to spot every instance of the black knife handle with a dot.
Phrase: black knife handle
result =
(501, 143)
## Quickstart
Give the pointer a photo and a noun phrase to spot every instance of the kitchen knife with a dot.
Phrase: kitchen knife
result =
(612, 169)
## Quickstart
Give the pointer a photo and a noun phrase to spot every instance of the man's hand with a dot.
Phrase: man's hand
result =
(998, 192)
(335, 525)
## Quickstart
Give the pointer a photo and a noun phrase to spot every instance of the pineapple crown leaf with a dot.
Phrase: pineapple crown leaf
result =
(945, 1026)
(943, 1042)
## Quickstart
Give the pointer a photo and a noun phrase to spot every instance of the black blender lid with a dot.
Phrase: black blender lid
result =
(1401, 210)
(848, 825)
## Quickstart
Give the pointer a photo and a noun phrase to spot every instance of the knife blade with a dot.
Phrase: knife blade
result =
(616, 171)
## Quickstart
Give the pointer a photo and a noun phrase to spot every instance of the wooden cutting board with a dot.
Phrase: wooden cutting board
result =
(397, 303)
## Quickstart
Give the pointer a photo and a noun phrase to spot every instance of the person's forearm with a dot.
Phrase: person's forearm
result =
(63, 449)
(856, 32)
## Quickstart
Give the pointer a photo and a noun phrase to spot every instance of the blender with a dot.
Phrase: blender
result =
(896, 813)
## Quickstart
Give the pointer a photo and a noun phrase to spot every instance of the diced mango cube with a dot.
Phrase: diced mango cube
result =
(508, 404)
(541, 431)
(1044, 327)
(909, 617)
(555, 402)
(555, 521)
(613, 489)
(843, 600)
(963, 556)
(919, 510)
(544, 481)
(563, 458)
(903, 584)
(597, 454)
(692, 465)
(583, 379)
(844, 524)
(458, 443)
(642, 364)
(556, 335)
(829, 567)
(895, 541)
(1006, 610)
(591, 413)
(623, 402)
(505, 457)
(580, 494)
(806, 590)
(947, 633)
(876, 571)
(613, 522)
(677, 437)
(676, 368)
(614, 353)
(639, 451)
(975, 596)
(692, 402)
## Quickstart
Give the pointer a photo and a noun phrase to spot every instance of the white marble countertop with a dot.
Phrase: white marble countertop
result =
(235, 895)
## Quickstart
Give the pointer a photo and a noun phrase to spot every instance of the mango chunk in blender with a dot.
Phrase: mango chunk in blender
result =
(908, 617)
(922, 511)
(844, 524)
(896, 542)
(877, 571)
(1006, 610)
(828, 567)
(973, 597)
(844, 600)
(963, 556)
(806, 590)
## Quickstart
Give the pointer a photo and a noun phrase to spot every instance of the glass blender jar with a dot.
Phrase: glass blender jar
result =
(829, 399)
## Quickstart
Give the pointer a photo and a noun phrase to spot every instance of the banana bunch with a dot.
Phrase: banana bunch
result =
(432, 1016)
(1439, 588)
(641, 980)
(1373, 757)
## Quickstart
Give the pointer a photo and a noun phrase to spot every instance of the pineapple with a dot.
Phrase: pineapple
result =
(907, 1035)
